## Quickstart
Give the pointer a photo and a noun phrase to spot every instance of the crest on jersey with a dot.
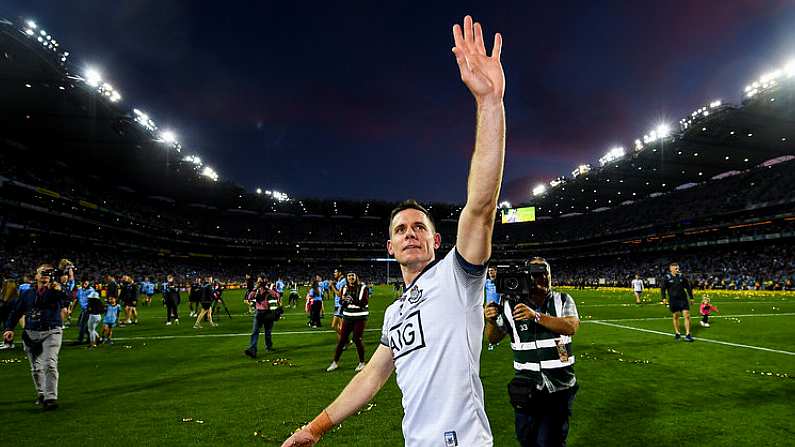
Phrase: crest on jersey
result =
(407, 336)
(450, 439)
(415, 295)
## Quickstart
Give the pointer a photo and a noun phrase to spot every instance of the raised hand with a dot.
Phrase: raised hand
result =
(481, 73)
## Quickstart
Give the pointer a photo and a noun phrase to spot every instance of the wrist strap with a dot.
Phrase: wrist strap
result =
(320, 425)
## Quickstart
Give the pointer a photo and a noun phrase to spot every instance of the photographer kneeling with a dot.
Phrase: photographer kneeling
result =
(43, 332)
(540, 323)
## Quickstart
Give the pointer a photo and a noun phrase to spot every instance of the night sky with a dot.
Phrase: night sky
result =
(363, 100)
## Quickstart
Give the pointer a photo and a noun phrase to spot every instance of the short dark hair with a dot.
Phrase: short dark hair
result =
(410, 204)
(673, 264)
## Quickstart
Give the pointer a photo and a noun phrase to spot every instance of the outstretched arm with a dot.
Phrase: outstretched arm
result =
(484, 77)
(359, 391)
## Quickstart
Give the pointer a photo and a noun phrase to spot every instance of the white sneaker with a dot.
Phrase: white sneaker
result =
(176, 321)
(6, 346)
(491, 347)
(706, 324)
(332, 367)
(701, 323)
(196, 326)
(359, 367)
(168, 323)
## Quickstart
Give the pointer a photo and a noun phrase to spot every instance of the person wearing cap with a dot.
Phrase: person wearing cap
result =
(540, 326)
(94, 309)
(354, 300)
(41, 305)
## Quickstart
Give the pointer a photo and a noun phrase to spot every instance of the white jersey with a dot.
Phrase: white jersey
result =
(637, 285)
(435, 331)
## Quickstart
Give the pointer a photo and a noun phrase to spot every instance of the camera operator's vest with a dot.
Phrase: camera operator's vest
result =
(356, 310)
(536, 348)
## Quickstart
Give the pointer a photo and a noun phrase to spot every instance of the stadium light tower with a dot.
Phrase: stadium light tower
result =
(31, 24)
(259, 190)
(539, 189)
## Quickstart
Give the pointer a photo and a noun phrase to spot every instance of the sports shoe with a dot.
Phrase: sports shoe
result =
(491, 347)
(6, 346)
(197, 326)
(250, 353)
(214, 324)
(702, 323)
(39, 400)
(176, 321)
(128, 322)
(168, 323)
(706, 324)
(689, 338)
(332, 367)
(360, 367)
(677, 336)
(49, 405)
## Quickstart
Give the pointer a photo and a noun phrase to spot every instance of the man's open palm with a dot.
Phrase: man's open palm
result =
(481, 73)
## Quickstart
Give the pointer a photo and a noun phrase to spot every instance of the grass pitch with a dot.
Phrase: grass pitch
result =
(173, 385)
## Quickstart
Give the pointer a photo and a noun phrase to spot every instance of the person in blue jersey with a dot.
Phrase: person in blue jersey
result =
(83, 292)
(315, 297)
(490, 291)
(110, 320)
(336, 289)
(279, 285)
(147, 289)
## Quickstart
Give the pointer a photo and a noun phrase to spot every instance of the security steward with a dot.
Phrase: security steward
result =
(540, 323)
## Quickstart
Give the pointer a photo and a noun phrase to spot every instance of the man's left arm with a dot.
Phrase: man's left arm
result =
(484, 77)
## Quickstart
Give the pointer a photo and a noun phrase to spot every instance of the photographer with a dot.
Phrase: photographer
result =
(540, 323)
(266, 302)
(43, 331)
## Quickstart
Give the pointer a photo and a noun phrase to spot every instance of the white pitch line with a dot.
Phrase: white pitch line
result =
(655, 304)
(667, 334)
(247, 334)
(786, 314)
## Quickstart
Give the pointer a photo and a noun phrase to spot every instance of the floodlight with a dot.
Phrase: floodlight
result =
(505, 204)
(92, 77)
(259, 190)
(168, 136)
(31, 24)
(538, 190)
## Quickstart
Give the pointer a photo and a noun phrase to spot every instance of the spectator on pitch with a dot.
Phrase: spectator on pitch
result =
(433, 334)
(147, 289)
(94, 309)
(540, 327)
(8, 297)
(706, 309)
(679, 292)
(171, 298)
(354, 299)
(292, 300)
(266, 302)
(83, 292)
(315, 301)
(111, 288)
(43, 332)
(279, 286)
(194, 296)
(129, 297)
(637, 288)
(336, 289)
(206, 300)
(110, 320)
(490, 290)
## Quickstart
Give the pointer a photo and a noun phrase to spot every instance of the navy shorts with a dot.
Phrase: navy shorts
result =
(678, 306)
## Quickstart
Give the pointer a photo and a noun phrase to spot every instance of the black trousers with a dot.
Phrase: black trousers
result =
(171, 309)
(315, 313)
(548, 423)
(82, 323)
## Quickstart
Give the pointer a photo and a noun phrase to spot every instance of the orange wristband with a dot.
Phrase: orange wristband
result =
(320, 425)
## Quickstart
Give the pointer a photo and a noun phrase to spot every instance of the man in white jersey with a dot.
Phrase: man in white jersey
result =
(432, 335)
(637, 287)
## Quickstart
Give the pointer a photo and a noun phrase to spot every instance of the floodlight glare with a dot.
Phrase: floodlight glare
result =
(538, 190)
(29, 32)
(259, 190)
(31, 24)
(663, 130)
(168, 136)
(92, 77)
(505, 204)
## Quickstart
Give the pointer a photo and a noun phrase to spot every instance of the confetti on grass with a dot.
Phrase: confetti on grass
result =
(769, 373)
(10, 361)
(277, 362)
(298, 425)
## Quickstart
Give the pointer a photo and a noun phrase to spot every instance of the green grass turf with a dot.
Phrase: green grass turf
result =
(637, 388)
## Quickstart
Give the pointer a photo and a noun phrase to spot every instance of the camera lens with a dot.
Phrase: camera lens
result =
(511, 283)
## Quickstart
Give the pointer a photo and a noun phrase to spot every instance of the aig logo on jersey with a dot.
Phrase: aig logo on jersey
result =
(407, 336)
(450, 439)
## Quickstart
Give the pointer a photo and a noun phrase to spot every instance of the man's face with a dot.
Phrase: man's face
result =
(337, 274)
(492, 273)
(412, 239)
(41, 278)
(85, 284)
(674, 269)
(540, 282)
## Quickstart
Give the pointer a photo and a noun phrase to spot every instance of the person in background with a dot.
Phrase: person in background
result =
(83, 293)
(354, 301)
(490, 291)
(94, 309)
(110, 320)
(706, 309)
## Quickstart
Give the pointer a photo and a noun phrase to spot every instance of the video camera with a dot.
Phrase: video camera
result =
(55, 273)
(516, 282)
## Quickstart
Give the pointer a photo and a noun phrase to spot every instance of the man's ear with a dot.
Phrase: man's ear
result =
(437, 241)
(389, 248)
